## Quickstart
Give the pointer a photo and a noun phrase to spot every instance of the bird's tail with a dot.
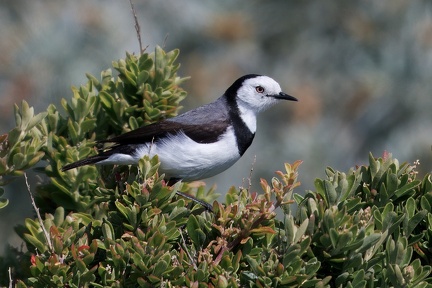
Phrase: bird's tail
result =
(90, 160)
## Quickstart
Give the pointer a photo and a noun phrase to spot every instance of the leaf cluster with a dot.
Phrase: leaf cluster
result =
(125, 227)
(370, 227)
(145, 90)
(150, 237)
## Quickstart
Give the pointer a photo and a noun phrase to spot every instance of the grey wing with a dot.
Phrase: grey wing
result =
(203, 125)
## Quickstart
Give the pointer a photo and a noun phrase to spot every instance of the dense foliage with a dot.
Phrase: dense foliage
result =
(124, 227)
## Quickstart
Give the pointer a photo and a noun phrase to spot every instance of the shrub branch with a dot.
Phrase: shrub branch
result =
(47, 237)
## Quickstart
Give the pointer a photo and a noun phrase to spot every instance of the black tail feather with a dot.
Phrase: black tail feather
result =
(86, 161)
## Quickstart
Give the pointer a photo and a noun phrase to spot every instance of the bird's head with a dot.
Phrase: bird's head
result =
(256, 92)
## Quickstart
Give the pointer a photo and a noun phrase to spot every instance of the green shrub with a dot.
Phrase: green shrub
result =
(124, 227)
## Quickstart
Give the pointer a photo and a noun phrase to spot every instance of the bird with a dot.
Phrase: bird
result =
(199, 143)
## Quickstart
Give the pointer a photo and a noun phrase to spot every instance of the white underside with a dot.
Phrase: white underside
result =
(183, 158)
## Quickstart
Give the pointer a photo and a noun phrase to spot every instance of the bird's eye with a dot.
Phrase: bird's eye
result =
(259, 89)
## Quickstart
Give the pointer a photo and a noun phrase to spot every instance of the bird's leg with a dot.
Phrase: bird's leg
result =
(206, 205)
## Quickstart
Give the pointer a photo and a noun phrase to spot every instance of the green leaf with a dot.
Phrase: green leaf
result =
(142, 78)
(195, 233)
(61, 186)
(344, 239)
(19, 160)
(414, 221)
(94, 81)
(14, 137)
(20, 284)
(36, 158)
(407, 188)
(334, 236)
(57, 245)
(73, 131)
(342, 279)
(41, 247)
(301, 230)
(59, 216)
(107, 100)
(373, 165)
(369, 241)
(145, 62)
(36, 120)
(160, 268)
(26, 114)
(319, 186)
(378, 245)
(425, 202)
(133, 124)
(172, 56)
(298, 198)
(88, 125)
(331, 193)
(392, 183)
(355, 261)
(312, 266)
(427, 183)
(108, 230)
(80, 265)
(3, 202)
(123, 210)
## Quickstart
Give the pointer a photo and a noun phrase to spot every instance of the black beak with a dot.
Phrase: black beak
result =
(284, 96)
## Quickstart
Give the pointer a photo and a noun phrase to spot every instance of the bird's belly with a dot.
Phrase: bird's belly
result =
(183, 158)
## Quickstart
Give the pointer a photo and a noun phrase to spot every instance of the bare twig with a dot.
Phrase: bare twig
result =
(165, 40)
(137, 27)
(10, 277)
(250, 176)
(47, 237)
(250, 173)
(186, 250)
(151, 146)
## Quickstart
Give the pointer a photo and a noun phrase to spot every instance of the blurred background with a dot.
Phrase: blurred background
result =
(362, 71)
